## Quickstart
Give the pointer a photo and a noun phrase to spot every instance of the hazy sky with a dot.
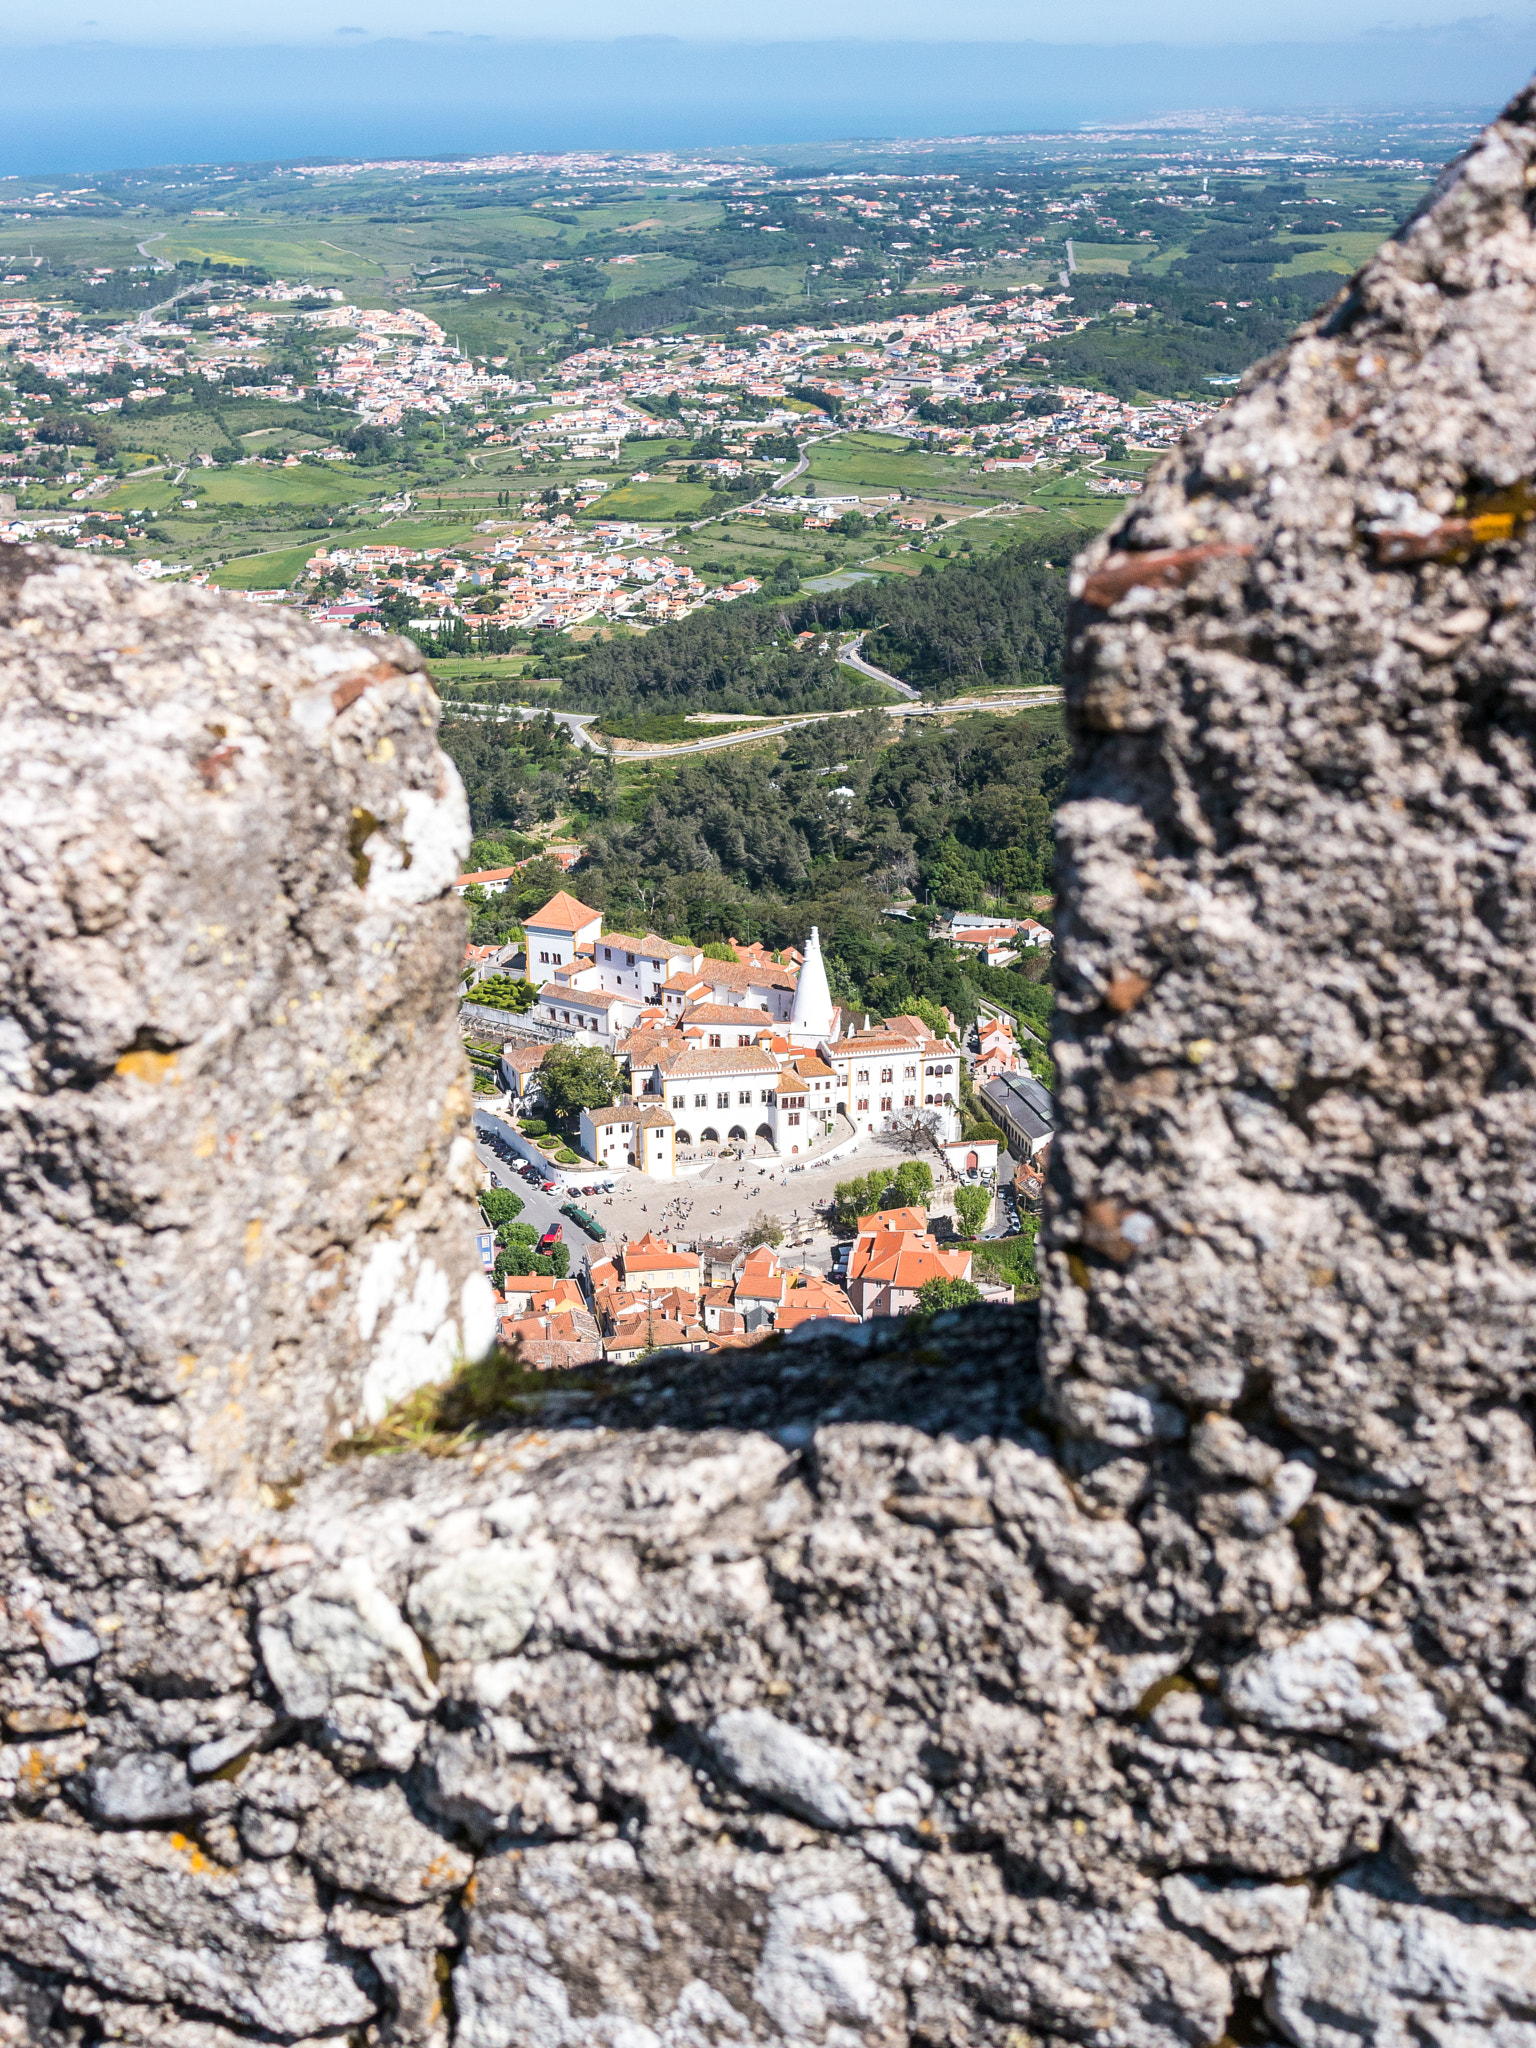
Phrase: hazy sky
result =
(1111, 21)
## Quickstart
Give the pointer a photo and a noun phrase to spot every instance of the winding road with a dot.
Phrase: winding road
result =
(578, 723)
(850, 657)
(693, 525)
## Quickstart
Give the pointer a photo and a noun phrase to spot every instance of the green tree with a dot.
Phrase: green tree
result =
(911, 1188)
(852, 1199)
(973, 1206)
(500, 1205)
(934, 1296)
(933, 1017)
(577, 1077)
(764, 1228)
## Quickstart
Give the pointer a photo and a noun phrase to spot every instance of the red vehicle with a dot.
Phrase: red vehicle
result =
(551, 1237)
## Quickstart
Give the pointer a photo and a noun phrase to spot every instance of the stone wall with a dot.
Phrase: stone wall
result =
(1169, 1681)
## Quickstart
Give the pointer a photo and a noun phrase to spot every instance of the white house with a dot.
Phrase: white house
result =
(720, 1097)
(642, 967)
(895, 1074)
(571, 1004)
(739, 984)
(804, 1105)
(490, 881)
(556, 932)
(631, 1133)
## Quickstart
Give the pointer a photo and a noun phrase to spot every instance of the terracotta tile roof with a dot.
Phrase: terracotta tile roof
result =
(894, 1219)
(814, 1302)
(544, 1291)
(893, 1249)
(651, 944)
(704, 1060)
(562, 913)
(660, 1331)
(743, 1015)
(869, 1043)
(645, 1041)
(731, 974)
(618, 1113)
(650, 1254)
(760, 1278)
(524, 1059)
(583, 998)
(659, 1262)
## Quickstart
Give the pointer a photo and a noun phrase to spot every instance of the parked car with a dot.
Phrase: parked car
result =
(549, 1186)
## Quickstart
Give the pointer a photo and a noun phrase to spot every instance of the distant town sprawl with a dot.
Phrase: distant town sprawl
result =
(613, 384)
(761, 396)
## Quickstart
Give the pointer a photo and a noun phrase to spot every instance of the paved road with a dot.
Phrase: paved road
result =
(577, 723)
(539, 1209)
(693, 525)
(850, 657)
(729, 739)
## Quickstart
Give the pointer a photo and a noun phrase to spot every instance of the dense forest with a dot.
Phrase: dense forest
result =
(738, 657)
(998, 619)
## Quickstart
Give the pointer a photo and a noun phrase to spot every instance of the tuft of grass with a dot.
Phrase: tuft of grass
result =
(497, 1389)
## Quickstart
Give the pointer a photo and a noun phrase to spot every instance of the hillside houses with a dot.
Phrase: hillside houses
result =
(893, 1259)
(651, 1295)
(998, 1049)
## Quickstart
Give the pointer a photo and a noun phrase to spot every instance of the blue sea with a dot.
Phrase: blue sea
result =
(94, 107)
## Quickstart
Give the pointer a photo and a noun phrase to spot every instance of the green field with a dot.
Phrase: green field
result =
(771, 277)
(263, 572)
(1341, 252)
(648, 274)
(879, 463)
(315, 254)
(1106, 258)
(660, 499)
(304, 486)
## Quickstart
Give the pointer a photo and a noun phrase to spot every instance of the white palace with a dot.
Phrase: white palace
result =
(751, 1050)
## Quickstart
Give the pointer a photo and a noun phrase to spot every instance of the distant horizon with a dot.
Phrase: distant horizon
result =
(91, 108)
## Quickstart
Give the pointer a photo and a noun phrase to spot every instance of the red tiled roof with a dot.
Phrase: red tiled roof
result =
(702, 1060)
(731, 974)
(562, 913)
